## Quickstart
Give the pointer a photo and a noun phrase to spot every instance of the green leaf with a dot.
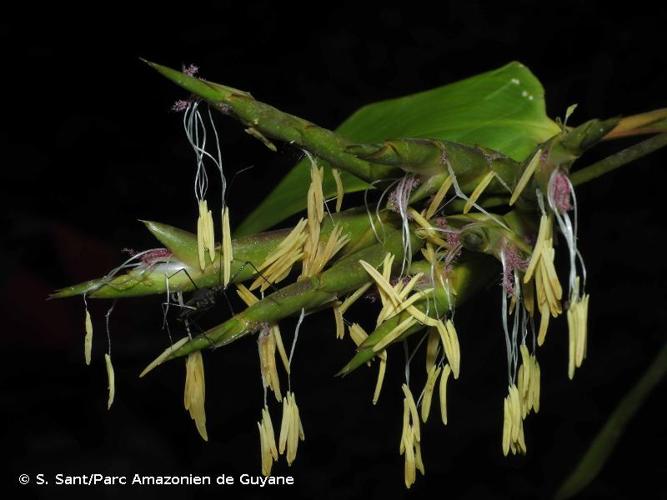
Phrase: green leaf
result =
(502, 109)
(605, 442)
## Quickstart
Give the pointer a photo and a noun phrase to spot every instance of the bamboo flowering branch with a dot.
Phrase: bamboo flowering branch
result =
(450, 218)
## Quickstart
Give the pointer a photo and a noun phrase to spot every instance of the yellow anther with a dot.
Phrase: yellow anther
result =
(111, 378)
(195, 391)
(438, 198)
(340, 190)
(525, 176)
(477, 192)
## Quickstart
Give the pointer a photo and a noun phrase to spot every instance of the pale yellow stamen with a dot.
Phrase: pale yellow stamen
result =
(438, 198)
(432, 348)
(421, 317)
(325, 252)
(315, 210)
(507, 426)
(443, 393)
(195, 391)
(246, 295)
(166, 354)
(450, 343)
(266, 343)
(88, 339)
(267, 439)
(111, 379)
(354, 297)
(340, 324)
(544, 323)
(278, 264)
(483, 184)
(427, 230)
(340, 190)
(535, 381)
(227, 250)
(405, 433)
(392, 300)
(434, 372)
(205, 234)
(414, 415)
(381, 372)
(249, 298)
(577, 319)
(391, 310)
(396, 332)
(543, 233)
(291, 429)
(410, 438)
(528, 382)
(529, 297)
(382, 283)
(275, 330)
(387, 264)
(357, 334)
(525, 176)
(513, 436)
(547, 288)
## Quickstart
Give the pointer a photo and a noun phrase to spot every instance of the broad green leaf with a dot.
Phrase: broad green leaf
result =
(502, 109)
(605, 442)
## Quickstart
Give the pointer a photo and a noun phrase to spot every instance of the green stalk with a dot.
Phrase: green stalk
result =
(619, 159)
(605, 441)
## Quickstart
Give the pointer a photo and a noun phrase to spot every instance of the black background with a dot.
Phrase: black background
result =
(90, 147)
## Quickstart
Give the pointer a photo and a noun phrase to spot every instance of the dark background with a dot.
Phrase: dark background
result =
(90, 147)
